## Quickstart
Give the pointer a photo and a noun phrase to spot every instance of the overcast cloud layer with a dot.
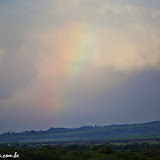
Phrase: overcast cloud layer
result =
(78, 62)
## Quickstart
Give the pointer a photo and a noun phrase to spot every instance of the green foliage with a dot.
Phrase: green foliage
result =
(85, 152)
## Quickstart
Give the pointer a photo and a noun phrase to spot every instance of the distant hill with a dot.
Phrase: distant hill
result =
(87, 133)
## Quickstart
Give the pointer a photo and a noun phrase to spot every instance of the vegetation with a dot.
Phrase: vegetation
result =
(86, 143)
(85, 152)
(87, 133)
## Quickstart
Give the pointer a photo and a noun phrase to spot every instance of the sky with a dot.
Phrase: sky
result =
(78, 62)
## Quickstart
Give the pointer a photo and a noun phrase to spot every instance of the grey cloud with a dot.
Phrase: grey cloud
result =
(118, 88)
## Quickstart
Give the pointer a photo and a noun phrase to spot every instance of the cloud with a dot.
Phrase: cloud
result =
(63, 58)
(1, 54)
(136, 50)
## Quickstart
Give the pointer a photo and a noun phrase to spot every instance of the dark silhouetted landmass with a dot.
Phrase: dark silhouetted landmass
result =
(112, 133)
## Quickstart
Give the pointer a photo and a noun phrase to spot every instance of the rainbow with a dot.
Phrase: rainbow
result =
(74, 52)
(78, 55)
(81, 49)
